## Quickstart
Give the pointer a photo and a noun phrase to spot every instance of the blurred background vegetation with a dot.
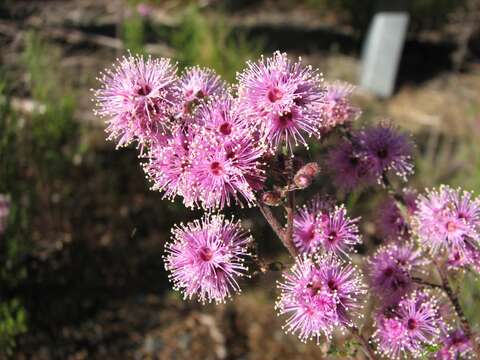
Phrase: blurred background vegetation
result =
(81, 273)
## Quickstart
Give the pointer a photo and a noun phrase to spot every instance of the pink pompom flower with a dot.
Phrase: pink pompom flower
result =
(404, 331)
(198, 85)
(282, 98)
(338, 233)
(306, 225)
(222, 171)
(322, 227)
(168, 167)
(206, 257)
(216, 177)
(212, 162)
(319, 295)
(447, 220)
(222, 118)
(337, 109)
(138, 97)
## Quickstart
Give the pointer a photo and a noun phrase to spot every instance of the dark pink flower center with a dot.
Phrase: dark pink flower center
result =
(332, 236)
(230, 155)
(382, 153)
(144, 90)
(216, 168)
(153, 108)
(275, 94)
(184, 165)
(206, 254)
(225, 128)
(451, 226)
(353, 161)
(332, 285)
(311, 233)
(388, 271)
(315, 287)
(285, 119)
(411, 324)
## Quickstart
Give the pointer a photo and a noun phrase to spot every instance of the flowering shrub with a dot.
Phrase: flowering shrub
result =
(214, 145)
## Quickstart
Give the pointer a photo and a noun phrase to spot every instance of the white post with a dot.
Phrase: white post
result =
(382, 52)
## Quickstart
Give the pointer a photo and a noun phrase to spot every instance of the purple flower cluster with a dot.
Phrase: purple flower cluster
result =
(455, 345)
(206, 257)
(319, 295)
(369, 154)
(448, 220)
(321, 226)
(391, 269)
(405, 329)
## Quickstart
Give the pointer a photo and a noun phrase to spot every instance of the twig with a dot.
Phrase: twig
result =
(365, 344)
(290, 206)
(452, 296)
(455, 302)
(426, 283)
(276, 227)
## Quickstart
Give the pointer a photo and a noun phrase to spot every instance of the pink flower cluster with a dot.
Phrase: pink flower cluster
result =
(320, 294)
(201, 142)
(448, 221)
(214, 145)
(320, 226)
(405, 329)
(206, 257)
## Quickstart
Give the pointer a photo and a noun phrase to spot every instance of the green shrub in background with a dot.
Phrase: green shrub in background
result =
(211, 42)
(51, 125)
(14, 243)
(36, 151)
(133, 29)
(12, 324)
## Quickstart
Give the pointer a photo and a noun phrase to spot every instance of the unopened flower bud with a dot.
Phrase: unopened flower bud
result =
(304, 177)
(311, 169)
(302, 180)
(271, 198)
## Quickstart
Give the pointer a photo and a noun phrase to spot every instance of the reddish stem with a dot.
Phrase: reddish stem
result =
(290, 206)
(276, 227)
